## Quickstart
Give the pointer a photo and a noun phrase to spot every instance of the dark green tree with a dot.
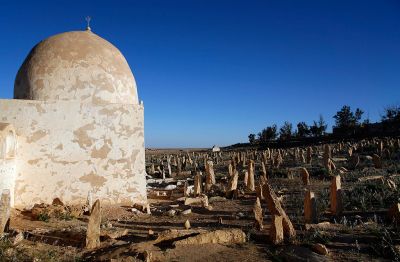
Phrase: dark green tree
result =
(319, 127)
(252, 138)
(392, 114)
(267, 134)
(345, 118)
(303, 130)
(285, 132)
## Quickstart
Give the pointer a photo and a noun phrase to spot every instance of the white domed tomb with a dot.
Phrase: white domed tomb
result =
(75, 125)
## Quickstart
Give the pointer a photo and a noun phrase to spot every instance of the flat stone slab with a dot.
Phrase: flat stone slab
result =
(227, 236)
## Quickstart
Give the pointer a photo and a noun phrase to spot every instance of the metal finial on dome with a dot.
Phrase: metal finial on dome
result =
(88, 18)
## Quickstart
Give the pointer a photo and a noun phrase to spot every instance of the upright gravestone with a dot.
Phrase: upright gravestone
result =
(89, 201)
(251, 183)
(336, 196)
(197, 184)
(305, 176)
(258, 214)
(377, 161)
(354, 161)
(5, 210)
(210, 172)
(276, 230)
(246, 177)
(263, 170)
(309, 155)
(230, 170)
(275, 208)
(327, 158)
(232, 184)
(259, 190)
(310, 207)
(93, 230)
(169, 166)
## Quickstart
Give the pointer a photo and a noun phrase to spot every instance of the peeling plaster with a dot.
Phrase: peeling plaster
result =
(69, 150)
(93, 179)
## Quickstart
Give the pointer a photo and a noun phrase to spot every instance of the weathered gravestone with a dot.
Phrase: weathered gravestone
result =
(93, 230)
(310, 207)
(5, 209)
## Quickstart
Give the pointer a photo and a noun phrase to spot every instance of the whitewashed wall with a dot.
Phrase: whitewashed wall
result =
(65, 149)
(8, 176)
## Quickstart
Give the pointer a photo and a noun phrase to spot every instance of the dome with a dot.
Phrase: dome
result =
(76, 66)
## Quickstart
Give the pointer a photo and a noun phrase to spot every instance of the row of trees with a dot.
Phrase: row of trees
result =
(392, 115)
(346, 120)
(286, 131)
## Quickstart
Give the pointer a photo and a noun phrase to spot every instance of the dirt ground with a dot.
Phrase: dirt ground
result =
(361, 233)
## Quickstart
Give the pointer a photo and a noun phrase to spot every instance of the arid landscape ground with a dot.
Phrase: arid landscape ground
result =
(362, 226)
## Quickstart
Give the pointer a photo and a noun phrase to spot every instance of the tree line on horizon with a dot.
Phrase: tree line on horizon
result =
(346, 120)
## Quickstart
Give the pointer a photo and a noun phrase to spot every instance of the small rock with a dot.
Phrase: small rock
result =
(57, 202)
(209, 208)
(216, 199)
(170, 187)
(150, 232)
(187, 224)
(193, 201)
(171, 212)
(109, 225)
(18, 238)
(187, 211)
(240, 215)
(135, 211)
(77, 211)
(320, 249)
(142, 207)
(181, 199)
(114, 233)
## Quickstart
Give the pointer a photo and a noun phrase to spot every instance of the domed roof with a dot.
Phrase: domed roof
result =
(79, 66)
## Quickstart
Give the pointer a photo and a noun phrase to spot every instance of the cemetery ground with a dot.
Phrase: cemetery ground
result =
(328, 202)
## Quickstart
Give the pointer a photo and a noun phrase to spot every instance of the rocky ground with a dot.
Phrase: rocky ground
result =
(220, 224)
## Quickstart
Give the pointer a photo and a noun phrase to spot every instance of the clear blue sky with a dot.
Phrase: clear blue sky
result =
(211, 72)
